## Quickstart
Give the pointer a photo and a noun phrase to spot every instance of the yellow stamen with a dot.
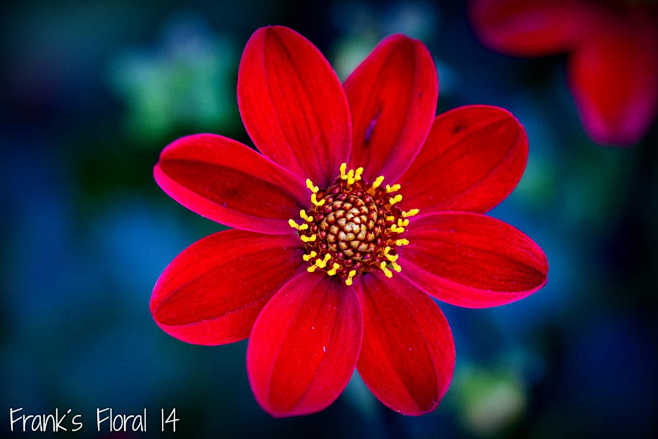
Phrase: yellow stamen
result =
(312, 268)
(343, 167)
(402, 241)
(394, 188)
(323, 262)
(350, 276)
(390, 218)
(315, 201)
(350, 177)
(391, 258)
(396, 229)
(305, 238)
(410, 212)
(296, 226)
(358, 173)
(378, 182)
(386, 250)
(309, 256)
(403, 223)
(396, 267)
(385, 269)
(311, 186)
(395, 199)
(333, 270)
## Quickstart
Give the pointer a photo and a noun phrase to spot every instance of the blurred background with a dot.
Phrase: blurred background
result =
(94, 90)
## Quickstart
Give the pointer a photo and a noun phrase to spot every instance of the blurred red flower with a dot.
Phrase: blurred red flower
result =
(337, 280)
(613, 66)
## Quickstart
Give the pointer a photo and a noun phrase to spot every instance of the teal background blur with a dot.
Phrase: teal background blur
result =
(94, 90)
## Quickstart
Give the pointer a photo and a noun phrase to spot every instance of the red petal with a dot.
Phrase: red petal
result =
(227, 182)
(471, 260)
(614, 78)
(212, 292)
(408, 354)
(293, 105)
(392, 97)
(304, 345)
(472, 159)
(530, 27)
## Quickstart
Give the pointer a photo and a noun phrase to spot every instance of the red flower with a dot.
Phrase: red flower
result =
(613, 67)
(324, 283)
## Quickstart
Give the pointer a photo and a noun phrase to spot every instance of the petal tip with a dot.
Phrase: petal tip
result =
(304, 346)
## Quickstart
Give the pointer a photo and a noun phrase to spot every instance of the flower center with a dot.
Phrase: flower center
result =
(353, 227)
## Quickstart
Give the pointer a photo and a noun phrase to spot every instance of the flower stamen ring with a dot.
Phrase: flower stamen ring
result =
(353, 227)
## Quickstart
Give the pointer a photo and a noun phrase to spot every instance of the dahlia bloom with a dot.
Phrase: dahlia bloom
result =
(613, 63)
(360, 206)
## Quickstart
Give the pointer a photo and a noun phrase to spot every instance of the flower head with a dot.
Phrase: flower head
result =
(360, 207)
(353, 227)
(613, 67)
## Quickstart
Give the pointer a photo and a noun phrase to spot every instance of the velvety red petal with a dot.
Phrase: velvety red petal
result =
(530, 27)
(614, 78)
(213, 291)
(392, 96)
(304, 345)
(471, 260)
(472, 159)
(293, 105)
(408, 355)
(227, 182)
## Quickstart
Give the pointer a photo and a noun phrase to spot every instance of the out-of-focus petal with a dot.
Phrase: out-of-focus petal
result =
(531, 27)
(212, 292)
(293, 105)
(227, 182)
(471, 260)
(472, 159)
(614, 78)
(304, 346)
(392, 96)
(408, 354)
